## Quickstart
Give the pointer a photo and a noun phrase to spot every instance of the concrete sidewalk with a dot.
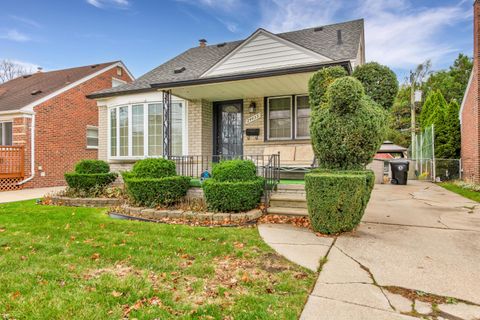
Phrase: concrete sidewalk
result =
(419, 240)
(27, 194)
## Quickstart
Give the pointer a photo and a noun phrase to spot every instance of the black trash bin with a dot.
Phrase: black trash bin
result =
(399, 171)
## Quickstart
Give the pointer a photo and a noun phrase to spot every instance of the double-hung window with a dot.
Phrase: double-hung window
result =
(136, 130)
(6, 133)
(302, 114)
(285, 124)
(92, 137)
(280, 118)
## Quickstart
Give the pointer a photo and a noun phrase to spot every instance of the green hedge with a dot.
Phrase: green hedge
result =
(89, 181)
(154, 168)
(152, 192)
(92, 166)
(234, 170)
(319, 82)
(337, 199)
(233, 196)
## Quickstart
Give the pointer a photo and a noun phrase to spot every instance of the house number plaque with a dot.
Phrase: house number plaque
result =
(253, 118)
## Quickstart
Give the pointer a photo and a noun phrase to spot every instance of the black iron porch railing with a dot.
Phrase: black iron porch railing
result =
(268, 167)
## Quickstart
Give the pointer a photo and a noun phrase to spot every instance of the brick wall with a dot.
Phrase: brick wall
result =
(200, 127)
(470, 114)
(60, 130)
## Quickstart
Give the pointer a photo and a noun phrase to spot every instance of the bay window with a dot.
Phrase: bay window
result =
(288, 118)
(136, 130)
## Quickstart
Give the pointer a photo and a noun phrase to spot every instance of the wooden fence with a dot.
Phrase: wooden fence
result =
(12, 162)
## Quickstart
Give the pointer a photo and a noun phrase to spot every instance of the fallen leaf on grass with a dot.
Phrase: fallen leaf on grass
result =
(16, 295)
(238, 245)
(2, 230)
(95, 256)
(67, 226)
(116, 294)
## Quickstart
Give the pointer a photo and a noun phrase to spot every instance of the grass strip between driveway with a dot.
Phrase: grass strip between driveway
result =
(469, 194)
(77, 263)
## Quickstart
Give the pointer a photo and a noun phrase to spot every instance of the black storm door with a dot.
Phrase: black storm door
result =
(228, 133)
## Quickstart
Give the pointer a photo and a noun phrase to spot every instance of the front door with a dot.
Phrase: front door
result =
(228, 133)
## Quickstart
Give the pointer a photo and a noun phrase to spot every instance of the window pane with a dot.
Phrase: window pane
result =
(113, 132)
(177, 121)
(155, 129)
(303, 117)
(280, 118)
(92, 137)
(123, 118)
(137, 130)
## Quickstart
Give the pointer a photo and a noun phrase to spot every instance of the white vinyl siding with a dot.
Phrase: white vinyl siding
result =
(262, 52)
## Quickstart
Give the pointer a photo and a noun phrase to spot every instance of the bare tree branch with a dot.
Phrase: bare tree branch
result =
(10, 70)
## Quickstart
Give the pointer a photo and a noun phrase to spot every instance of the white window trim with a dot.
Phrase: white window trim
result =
(268, 120)
(296, 118)
(2, 142)
(86, 136)
(145, 133)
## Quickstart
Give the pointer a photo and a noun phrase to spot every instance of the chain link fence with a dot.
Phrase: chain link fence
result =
(424, 165)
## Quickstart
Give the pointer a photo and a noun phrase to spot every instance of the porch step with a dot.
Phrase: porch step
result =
(288, 200)
(291, 189)
(285, 211)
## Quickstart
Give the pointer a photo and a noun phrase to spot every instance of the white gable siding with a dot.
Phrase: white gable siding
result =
(262, 52)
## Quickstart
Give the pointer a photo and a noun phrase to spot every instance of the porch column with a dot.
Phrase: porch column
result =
(167, 121)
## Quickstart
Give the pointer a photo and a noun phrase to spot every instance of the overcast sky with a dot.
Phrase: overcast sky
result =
(58, 34)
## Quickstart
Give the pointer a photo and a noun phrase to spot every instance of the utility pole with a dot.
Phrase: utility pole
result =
(412, 113)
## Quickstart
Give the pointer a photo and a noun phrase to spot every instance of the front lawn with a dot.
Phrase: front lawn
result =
(77, 263)
(470, 194)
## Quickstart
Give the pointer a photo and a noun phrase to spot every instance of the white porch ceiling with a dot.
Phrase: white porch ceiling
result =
(249, 88)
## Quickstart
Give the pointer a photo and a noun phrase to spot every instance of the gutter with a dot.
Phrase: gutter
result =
(32, 152)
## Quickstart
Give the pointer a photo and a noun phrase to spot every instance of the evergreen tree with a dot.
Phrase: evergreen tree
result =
(452, 123)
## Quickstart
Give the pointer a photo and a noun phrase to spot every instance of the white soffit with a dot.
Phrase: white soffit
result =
(264, 51)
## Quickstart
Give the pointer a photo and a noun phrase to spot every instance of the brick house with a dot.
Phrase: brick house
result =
(245, 98)
(47, 124)
(470, 111)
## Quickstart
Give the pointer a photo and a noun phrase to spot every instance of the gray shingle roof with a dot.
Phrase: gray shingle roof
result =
(197, 60)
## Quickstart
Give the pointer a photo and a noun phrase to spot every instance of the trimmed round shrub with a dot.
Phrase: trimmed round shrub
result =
(154, 168)
(337, 200)
(234, 170)
(346, 134)
(380, 83)
(152, 192)
(89, 182)
(233, 196)
(92, 166)
(345, 95)
(319, 82)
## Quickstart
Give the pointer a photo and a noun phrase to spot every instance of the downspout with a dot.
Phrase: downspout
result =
(32, 152)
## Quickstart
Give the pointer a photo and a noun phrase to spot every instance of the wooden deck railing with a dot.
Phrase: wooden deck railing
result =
(12, 162)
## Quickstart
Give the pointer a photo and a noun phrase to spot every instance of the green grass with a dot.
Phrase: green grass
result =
(77, 263)
(470, 194)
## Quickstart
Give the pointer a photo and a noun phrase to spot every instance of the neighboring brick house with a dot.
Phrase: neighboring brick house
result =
(470, 111)
(48, 112)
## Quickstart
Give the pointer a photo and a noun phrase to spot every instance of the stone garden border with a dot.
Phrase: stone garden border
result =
(175, 216)
(86, 202)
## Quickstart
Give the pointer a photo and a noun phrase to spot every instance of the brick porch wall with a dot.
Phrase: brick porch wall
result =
(60, 130)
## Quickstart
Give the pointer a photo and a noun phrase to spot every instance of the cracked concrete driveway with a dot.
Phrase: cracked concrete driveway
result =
(416, 254)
